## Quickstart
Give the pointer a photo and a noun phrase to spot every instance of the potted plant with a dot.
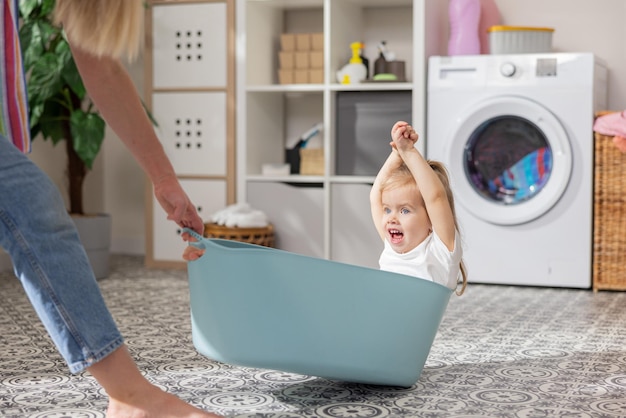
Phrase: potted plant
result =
(61, 111)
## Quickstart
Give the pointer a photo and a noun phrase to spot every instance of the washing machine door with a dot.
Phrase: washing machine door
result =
(510, 160)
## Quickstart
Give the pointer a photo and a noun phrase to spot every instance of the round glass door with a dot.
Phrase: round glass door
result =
(509, 159)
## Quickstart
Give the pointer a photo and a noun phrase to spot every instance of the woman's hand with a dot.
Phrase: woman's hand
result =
(177, 205)
(192, 253)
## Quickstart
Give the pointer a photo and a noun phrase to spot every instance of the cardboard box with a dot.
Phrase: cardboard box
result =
(287, 60)
(288, 42)
(312, 161)
(302, 60)
(303, 42)
(316, 59)
(286, 76)
(316, 76)
(317, 41)
(301, 76)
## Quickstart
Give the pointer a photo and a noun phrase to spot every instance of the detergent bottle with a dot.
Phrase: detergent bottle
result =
(353, 72)
(366, 62)
(489, 16)
(380, 65)
(464, 23)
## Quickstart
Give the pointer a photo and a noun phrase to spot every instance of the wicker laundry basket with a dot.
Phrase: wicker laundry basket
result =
(609, 241)
(260, 236)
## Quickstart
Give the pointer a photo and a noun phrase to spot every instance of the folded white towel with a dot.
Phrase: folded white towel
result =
(240, 215)
(254, 219)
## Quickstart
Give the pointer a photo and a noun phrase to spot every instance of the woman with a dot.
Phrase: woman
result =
(35, 228)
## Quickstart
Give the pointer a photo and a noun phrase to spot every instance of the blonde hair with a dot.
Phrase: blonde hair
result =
(402, 176)
(102, 27)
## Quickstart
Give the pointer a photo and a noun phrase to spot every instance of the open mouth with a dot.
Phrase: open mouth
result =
(395, 236)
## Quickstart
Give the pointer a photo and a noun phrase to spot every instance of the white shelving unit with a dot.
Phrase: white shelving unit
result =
(328, 215)
(190, 90)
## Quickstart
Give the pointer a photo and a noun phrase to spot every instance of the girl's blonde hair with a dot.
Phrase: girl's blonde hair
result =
(402, 176)
(102, 27)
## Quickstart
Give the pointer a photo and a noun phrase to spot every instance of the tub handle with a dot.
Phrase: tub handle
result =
(198, 244)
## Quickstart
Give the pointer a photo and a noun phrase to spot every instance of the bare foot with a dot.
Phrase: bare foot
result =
(131, 395)
(153, 405)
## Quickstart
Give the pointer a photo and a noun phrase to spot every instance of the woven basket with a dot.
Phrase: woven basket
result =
(260, 236)
(609, 226)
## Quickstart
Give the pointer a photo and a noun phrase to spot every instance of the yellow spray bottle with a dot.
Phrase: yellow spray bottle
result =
(354, 71)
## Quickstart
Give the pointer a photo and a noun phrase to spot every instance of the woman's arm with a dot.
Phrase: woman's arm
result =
(116, 97)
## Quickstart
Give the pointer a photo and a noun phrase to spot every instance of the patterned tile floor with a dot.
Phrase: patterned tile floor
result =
(501, 352)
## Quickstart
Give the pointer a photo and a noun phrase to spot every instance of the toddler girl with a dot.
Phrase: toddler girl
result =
(413, 210)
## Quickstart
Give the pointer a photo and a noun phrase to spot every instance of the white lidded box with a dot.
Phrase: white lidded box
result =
(519, 40)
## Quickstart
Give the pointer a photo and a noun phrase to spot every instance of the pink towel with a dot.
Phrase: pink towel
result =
(613, 124)
(620, 143)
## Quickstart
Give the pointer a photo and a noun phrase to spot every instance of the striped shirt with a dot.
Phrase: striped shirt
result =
(14, 111)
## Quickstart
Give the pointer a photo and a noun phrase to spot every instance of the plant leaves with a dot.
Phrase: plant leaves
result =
(87, 135)
(53, 121)
(47, 7)
(36, 9)
(34, 40)
(69, 73)
(45, 78)
(26, 7)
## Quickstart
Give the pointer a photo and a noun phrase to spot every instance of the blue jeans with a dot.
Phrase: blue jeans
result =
(51, 263)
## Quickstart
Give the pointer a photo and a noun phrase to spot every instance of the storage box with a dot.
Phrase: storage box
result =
(312, 161)
(519, 40)
(286, 76)
(316, 59)
(302, 60)
(317, 41)
(303, 42)
(288, 42)
(316, 76)
(609, 215)
(287, 60)
(301, 76)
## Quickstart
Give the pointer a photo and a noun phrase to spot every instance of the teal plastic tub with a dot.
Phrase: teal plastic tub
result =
(265, 308)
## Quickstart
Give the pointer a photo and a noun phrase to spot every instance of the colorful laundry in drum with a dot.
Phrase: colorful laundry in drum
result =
(523, 179)
(508, 160)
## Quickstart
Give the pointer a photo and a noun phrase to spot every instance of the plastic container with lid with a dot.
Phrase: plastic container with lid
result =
(519, 39)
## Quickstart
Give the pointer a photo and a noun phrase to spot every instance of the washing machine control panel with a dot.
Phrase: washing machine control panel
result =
(507, 69)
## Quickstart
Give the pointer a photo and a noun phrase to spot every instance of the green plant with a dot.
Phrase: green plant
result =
(59, 106)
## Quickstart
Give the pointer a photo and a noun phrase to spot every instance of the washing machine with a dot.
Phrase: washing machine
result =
(515, 132)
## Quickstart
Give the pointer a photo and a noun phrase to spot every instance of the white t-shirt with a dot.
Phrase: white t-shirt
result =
(430, 260)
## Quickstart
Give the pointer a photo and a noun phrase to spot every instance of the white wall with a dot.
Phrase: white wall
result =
(117, 183)
(124, 185)
(114, 186)
(580, 26)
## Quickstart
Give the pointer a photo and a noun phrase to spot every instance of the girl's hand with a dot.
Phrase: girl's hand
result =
(403, 135)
